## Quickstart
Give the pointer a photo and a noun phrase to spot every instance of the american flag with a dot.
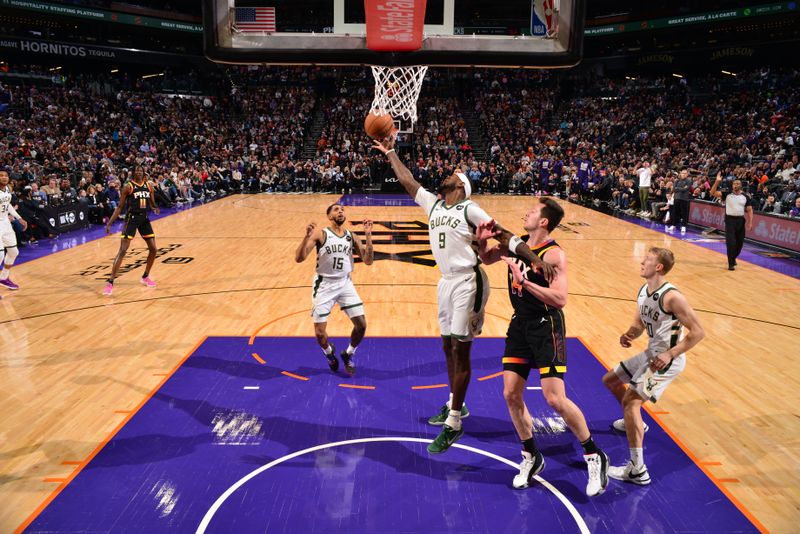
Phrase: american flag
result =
(255, 19)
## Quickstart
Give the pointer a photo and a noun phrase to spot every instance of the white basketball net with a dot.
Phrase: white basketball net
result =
(397, 90)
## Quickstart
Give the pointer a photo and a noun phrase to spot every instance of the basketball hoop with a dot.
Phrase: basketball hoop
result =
(397, 90)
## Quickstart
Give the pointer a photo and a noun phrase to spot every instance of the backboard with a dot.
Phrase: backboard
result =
(498, 33)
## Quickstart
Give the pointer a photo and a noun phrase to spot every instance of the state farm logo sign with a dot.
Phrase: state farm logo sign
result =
(777, 231)
(708, 215)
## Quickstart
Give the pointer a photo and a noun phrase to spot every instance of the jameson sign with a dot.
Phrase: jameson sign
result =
(699, 18)
(80, 51)
(779, 231)
(102, 15)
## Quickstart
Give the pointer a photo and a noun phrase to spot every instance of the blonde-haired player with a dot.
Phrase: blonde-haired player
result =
(464, 287)
(662, 312)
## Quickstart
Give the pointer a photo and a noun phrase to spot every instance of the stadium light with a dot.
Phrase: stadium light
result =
(114, 70)
(151, 75)
(677, 75)
(729, 73)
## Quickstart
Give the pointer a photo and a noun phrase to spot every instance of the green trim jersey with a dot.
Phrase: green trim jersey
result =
(663, 329)
(5, 203)
(451, 230)
(335, 254)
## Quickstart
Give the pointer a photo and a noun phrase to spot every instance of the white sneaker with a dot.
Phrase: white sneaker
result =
(598, 473)
(683, 229)
(619, 425)
(528, 468)
(669, 228)
(629, 473)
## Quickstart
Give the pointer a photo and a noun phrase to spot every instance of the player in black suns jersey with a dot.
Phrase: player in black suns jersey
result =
(536, 340)
(137, 196)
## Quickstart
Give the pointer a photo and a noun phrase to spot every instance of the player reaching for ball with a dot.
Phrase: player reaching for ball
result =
(662, 312)
(464, 287)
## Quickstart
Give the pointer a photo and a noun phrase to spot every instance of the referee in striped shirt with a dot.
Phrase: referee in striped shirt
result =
(738, 211)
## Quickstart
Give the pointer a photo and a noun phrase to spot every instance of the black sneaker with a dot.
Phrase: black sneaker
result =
(333, 363)
(349, 365)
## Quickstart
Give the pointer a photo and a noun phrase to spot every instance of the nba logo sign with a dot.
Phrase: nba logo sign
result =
(542, 16)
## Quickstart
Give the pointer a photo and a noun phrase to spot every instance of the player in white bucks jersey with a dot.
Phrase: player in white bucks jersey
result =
(8, 238)
(662, 312)
(332, 284)
(464, 287)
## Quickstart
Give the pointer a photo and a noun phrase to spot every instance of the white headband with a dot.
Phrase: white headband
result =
(467, 184)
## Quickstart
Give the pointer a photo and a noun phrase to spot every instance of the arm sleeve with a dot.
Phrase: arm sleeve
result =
(425, 199)
(476, 215)
(13, 212)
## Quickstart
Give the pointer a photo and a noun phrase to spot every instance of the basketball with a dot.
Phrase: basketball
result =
(378, 126)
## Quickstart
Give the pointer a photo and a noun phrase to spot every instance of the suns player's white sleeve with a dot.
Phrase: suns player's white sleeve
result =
(425, 199)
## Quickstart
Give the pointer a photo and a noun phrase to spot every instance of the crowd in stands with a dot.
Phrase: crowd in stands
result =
(296, 129)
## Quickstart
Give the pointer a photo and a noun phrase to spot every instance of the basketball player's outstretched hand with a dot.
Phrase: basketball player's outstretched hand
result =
(310, 229)
(486, 230)
(108, 229)
(367, 227)
(386, 144)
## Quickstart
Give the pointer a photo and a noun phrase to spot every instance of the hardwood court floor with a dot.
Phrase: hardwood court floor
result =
(75, 363)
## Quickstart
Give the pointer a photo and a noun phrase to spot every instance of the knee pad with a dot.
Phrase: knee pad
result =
(11, 255)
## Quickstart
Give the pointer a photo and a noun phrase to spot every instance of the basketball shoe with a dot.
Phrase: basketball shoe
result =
(147, 281)
(441, 417)
(597, 464)
(619, 425)
(349, 364)
(528, 468)
(629, 473)
(333, 363)
(446, 437)
(9, 284)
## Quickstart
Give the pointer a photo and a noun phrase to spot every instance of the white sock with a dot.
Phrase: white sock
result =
(328, 351)
(454, 420)
(6, 272)
(637, 456)
(351, 349)
(450, 400)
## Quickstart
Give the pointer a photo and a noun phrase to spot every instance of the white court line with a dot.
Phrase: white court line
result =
(201, 528)
(534, 387)
(252, 387)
